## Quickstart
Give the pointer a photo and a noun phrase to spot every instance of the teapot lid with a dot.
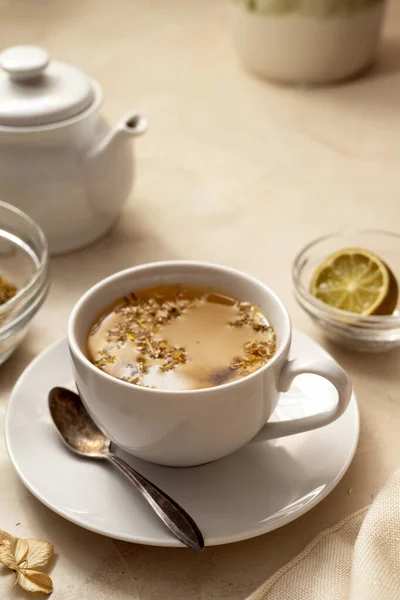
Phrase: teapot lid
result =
(35, 90)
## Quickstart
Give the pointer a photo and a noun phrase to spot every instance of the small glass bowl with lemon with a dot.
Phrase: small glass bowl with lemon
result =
(348, 283)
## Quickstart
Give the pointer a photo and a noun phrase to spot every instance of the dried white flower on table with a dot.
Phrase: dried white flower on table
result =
(23, 557)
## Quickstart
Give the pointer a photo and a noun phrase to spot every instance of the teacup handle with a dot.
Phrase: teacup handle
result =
(328, 369)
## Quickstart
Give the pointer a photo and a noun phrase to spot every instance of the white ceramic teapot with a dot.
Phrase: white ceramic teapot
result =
(59, 159)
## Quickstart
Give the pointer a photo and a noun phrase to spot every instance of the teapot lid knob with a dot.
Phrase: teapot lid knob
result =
(24, 62)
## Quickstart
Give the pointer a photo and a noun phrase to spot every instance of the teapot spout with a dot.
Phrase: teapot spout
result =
(131, 125)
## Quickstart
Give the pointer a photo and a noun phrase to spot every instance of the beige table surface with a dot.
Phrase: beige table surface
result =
(232, 170)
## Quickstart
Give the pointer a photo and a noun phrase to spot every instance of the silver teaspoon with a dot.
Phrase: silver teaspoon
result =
(83, 437)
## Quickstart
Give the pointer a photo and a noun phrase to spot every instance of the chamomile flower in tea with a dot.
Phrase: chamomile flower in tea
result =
(178, 337)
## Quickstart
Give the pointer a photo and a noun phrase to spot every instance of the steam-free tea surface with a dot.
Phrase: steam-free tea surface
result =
(175, 337)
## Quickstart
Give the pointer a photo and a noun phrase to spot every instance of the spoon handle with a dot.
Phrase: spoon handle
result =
(174, 516)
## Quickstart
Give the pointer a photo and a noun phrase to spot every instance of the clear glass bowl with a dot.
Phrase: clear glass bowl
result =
(361, 333)
(24, 262)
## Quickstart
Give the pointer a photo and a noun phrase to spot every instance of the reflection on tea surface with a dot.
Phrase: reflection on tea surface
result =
(177, 337)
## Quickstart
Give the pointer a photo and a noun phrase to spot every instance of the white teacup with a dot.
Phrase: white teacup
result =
(191, 427)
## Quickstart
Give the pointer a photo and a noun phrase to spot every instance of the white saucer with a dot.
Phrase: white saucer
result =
(257, 489)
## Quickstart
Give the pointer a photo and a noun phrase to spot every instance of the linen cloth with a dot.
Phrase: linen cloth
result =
(357, 559)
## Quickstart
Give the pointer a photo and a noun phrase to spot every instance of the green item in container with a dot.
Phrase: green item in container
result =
(311, 8)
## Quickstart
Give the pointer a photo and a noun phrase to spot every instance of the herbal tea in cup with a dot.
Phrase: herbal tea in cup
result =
(178, 337)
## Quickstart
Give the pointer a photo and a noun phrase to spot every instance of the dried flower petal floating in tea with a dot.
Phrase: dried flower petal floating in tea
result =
(180, 337)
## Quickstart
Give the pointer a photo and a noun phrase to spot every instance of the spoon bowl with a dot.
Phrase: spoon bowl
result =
(76, 428)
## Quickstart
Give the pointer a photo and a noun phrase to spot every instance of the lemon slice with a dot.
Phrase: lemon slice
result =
(357, 281)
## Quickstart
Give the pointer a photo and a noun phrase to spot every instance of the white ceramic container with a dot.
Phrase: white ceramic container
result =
(60, 161)
(306, 41)
(191, 427)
